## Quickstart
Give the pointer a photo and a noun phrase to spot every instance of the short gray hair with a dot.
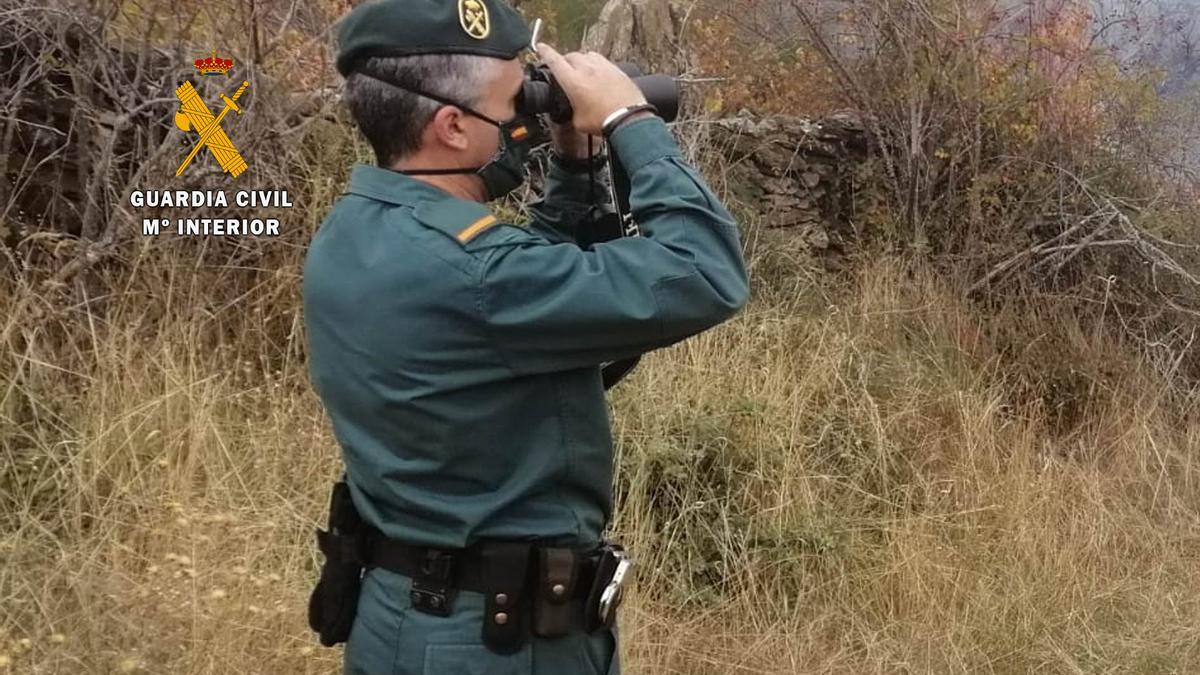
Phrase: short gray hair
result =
(391, 118)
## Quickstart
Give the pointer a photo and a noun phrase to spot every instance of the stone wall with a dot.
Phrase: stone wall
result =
(803, 175)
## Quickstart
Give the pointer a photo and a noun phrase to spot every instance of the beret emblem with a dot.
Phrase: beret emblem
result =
(473, 17)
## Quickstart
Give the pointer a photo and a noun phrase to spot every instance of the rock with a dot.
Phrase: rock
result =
(645, 32)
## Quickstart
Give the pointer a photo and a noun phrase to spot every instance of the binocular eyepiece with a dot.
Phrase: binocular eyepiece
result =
(541, 93)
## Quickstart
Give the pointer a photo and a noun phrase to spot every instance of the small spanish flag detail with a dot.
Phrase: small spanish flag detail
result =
(519, 133)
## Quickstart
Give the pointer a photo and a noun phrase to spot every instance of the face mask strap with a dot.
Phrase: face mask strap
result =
(434, 97)
(434, 172)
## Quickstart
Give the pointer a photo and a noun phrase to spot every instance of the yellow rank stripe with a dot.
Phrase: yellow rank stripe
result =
(475, 228)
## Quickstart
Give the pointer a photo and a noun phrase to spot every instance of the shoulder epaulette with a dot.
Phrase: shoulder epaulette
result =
(471, 231)
(458, 218)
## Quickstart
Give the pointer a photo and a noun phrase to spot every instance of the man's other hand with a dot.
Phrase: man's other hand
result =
(572, 144)
(595, 86)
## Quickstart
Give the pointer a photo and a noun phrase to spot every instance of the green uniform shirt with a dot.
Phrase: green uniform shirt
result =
(458, 357)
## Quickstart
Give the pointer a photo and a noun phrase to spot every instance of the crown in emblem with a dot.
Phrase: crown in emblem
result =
(213, 65)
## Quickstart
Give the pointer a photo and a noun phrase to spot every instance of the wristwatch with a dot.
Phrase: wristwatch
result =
(616, 117)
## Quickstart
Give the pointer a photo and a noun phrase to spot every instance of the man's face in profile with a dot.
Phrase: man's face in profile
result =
(498, 101)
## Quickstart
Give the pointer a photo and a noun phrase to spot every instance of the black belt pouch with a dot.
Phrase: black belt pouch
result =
(554, 586)
(334, 600)
(506, 607)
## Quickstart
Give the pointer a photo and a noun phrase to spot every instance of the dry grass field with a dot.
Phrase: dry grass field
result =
(847, 478)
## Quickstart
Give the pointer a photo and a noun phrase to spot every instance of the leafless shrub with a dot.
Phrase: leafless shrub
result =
(1015, 154)
(88, 96)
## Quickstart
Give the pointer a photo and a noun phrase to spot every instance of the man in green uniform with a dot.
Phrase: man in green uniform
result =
(458, 356)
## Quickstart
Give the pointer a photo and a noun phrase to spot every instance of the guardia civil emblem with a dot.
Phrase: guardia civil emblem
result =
(194, 115)
(473, 17)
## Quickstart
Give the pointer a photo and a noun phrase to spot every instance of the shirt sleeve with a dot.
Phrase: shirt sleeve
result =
(553, 306)
(567, 197)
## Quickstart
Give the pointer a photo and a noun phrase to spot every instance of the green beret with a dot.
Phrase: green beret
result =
(408, 27)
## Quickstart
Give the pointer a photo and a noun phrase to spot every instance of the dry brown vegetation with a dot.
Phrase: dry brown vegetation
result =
(872, 470)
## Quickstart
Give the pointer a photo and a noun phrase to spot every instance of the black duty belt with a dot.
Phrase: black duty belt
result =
(468, 567)
(528, 587)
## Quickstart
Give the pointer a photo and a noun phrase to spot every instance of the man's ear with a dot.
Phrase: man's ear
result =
(447, 128)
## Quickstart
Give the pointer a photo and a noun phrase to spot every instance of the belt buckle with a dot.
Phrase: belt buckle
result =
(613, 593)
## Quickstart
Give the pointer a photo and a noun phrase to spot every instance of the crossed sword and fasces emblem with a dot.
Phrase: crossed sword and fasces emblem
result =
(194, 114)
(474, 19)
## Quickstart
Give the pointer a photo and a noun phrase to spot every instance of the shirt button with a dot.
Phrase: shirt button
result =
(501, 598)
(501, 618)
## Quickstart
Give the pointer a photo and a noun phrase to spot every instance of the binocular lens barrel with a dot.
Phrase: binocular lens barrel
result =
(541, 93)
(662, 92)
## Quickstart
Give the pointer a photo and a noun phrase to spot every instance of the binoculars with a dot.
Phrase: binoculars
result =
(541, 93)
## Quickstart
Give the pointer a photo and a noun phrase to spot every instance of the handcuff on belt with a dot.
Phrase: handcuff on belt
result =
(613, 592)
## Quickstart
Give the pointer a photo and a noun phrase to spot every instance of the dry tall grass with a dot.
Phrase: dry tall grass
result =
(843, 479)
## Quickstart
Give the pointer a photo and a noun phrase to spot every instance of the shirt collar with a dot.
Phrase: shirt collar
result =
(389, 186)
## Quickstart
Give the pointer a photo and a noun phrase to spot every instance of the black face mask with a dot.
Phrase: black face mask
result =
(507, 170)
